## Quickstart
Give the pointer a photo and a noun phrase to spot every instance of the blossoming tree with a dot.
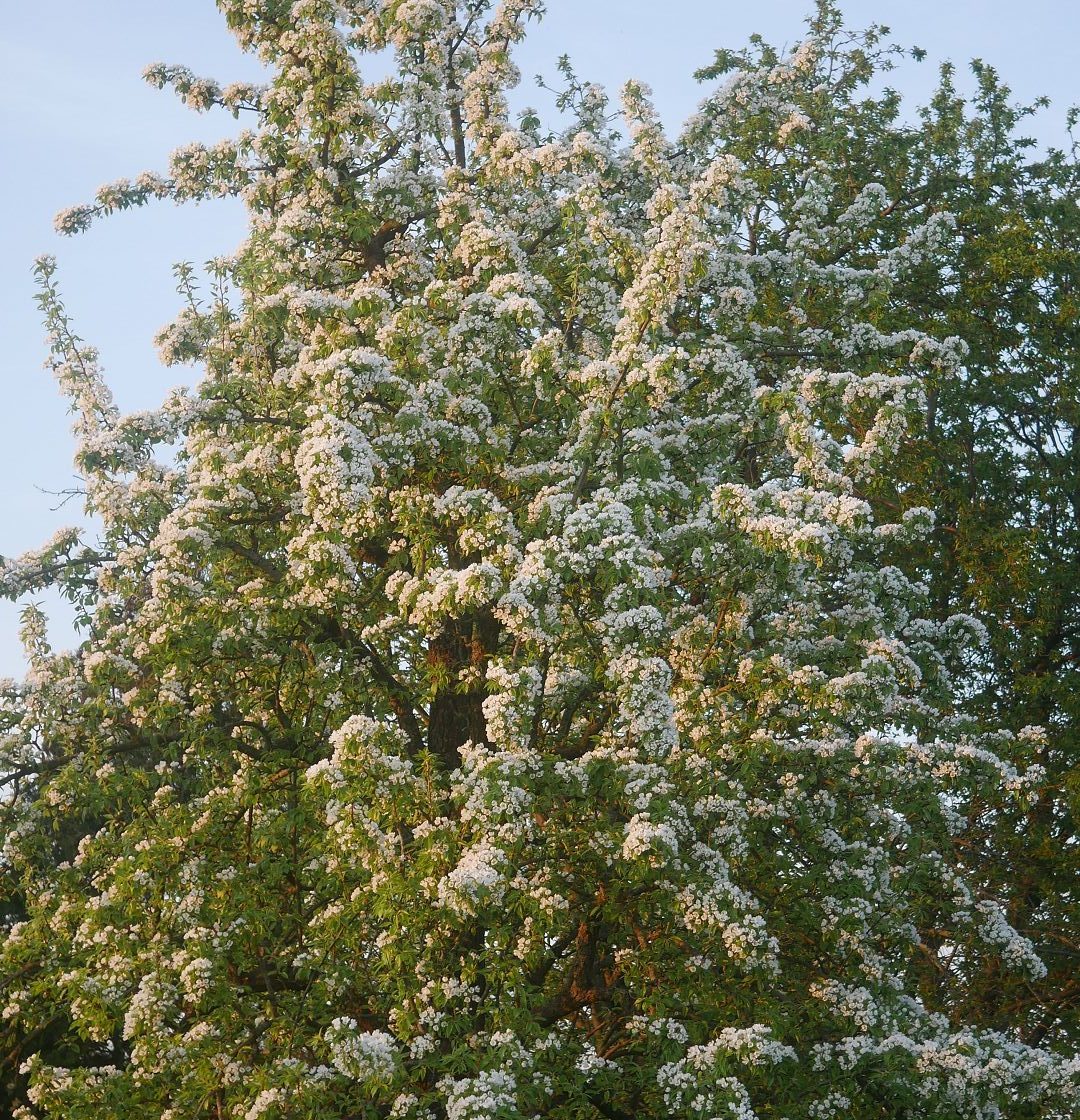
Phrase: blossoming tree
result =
(498, 696)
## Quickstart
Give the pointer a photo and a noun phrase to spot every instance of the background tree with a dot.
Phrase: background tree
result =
(999, 451)
(505, 699)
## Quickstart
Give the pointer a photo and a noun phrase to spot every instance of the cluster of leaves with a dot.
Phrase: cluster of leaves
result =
(526, 675)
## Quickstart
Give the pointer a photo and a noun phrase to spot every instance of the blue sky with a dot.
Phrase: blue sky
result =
(74, 113)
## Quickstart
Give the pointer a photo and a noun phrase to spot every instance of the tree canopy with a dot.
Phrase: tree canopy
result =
(598, 639)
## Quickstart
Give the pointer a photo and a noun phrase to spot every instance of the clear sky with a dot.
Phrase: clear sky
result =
(74, 113)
